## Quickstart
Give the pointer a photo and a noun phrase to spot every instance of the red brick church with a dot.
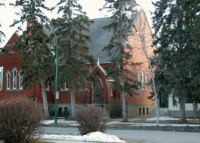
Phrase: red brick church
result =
(102, 93)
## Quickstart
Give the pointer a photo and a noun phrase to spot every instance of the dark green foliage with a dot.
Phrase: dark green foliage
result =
(122, 27)
(20, 120)
(34, 45)
(92, 119)
(176, 25)
(72, 29)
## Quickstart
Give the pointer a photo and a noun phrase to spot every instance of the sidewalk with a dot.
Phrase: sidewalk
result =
(56, 141)
(164, 121)
(166, 124)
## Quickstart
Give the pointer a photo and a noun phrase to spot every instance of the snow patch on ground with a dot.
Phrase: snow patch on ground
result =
(166, 125)
(91, 137)
(60, 121)
(47, 122)
(165, 118)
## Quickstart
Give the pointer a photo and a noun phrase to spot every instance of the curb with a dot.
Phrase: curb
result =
(140, 127)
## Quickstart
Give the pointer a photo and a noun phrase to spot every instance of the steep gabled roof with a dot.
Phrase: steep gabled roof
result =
(100, 38)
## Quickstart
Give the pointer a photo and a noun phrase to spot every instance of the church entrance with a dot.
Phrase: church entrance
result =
(97, 93)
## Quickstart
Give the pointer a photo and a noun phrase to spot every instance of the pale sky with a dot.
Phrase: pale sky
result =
(7, 13)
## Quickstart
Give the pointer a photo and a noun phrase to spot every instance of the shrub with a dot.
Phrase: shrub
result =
(115, 110)
(19, 120)
(92, 119)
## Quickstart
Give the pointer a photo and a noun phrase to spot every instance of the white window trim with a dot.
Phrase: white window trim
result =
(8, 73)
(1, 75)
(146, 79)
(20, 83)
(13, 79)
(48, 87)
(66, 89)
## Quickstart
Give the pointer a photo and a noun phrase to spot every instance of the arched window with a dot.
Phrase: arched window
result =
(66, 86)
(20, 80)
(1, 78)
(14, 73)
(8, 77)
(143, 79)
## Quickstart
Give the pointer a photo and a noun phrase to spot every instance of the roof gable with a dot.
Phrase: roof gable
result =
(10, 44)
(100, 38)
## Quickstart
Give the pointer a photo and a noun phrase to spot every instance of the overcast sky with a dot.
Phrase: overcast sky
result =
(7, 13)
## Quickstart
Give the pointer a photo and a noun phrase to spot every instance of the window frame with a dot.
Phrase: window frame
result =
(1, 77)
(14, 78)
(66, 83)
(20, 80)
(8, 84)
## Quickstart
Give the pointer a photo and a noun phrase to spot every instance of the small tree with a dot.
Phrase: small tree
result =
(92, 119)
(20, 120)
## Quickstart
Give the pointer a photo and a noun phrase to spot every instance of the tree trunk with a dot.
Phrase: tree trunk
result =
(182, 106)
(73, 103)
(124, 107)
(195, 110)
(44, 98)
(141, 33)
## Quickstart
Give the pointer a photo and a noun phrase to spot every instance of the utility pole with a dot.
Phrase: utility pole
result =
(56, 75)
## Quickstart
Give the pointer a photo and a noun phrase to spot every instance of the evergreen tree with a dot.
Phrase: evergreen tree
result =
(176, 31)
(74, 52)
(33, 45)
(122, 26)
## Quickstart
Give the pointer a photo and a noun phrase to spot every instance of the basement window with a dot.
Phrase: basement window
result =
(143, 110)
(140, 111)
(147, 110)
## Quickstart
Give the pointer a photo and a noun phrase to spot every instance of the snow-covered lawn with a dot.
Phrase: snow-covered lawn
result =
(166, 125)
(130, 123)
(60, 121)
(165, 118)
(91, 137)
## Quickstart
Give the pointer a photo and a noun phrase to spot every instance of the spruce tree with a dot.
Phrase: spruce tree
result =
(176, 28)
(72, 29)
(34, 46)
(122, 26)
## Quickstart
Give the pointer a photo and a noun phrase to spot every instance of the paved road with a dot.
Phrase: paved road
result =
(138, 136)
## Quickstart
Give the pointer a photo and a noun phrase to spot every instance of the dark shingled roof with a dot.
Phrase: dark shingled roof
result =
(100, 38)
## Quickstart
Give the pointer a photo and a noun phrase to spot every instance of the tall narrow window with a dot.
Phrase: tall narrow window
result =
(66, 86)
(14, 72)
(146, 80)
(20, 80)
(1, 78)
(48, 87)
(83, 84)
(142, 79)
(8, 80)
